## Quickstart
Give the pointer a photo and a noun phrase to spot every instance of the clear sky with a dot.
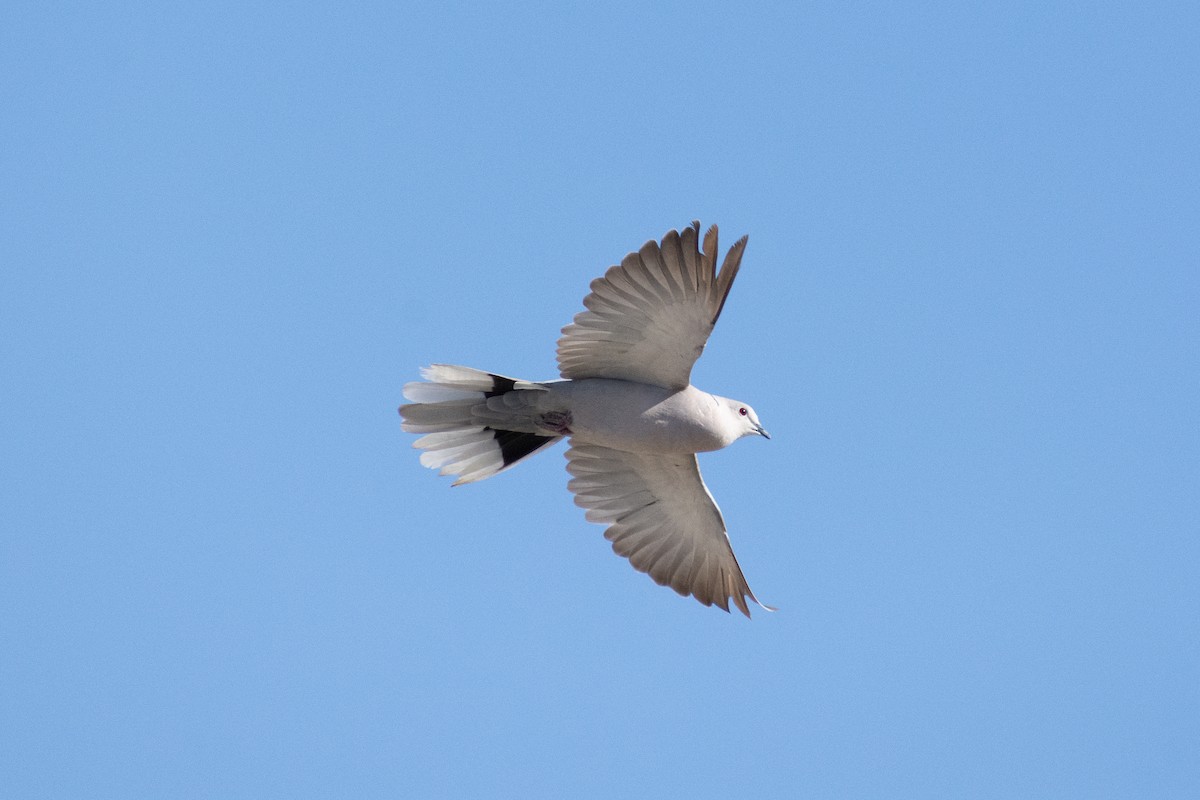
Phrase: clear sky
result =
(968, 314)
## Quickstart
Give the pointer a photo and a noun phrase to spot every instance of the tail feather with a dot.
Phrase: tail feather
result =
(464, 435)
(467, 379)
(447, 415)
(470, 444)
(436, 393)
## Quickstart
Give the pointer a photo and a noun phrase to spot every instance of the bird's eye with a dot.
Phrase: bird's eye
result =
(743, 411)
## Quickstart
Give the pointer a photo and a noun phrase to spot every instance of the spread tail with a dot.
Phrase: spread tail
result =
(465, 434)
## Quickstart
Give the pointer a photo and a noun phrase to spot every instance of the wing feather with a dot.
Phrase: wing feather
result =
(662, 518)
(648, 318)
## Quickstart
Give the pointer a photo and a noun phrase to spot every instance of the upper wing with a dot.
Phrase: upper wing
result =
(648, 319)
(662, 518)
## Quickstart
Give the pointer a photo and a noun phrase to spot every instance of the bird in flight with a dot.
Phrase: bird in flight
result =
(627, 404)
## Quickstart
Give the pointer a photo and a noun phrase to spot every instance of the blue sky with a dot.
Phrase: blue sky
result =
(967, 314)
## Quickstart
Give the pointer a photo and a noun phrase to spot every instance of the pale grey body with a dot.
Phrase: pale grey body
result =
(627, 404)
(639, 418)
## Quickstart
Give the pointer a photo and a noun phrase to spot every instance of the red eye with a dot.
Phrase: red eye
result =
(743, 411)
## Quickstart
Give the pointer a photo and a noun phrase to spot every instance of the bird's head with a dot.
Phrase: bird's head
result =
(745, 419)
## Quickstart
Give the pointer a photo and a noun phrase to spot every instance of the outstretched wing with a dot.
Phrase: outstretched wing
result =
(647, 319)
(662, 518)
